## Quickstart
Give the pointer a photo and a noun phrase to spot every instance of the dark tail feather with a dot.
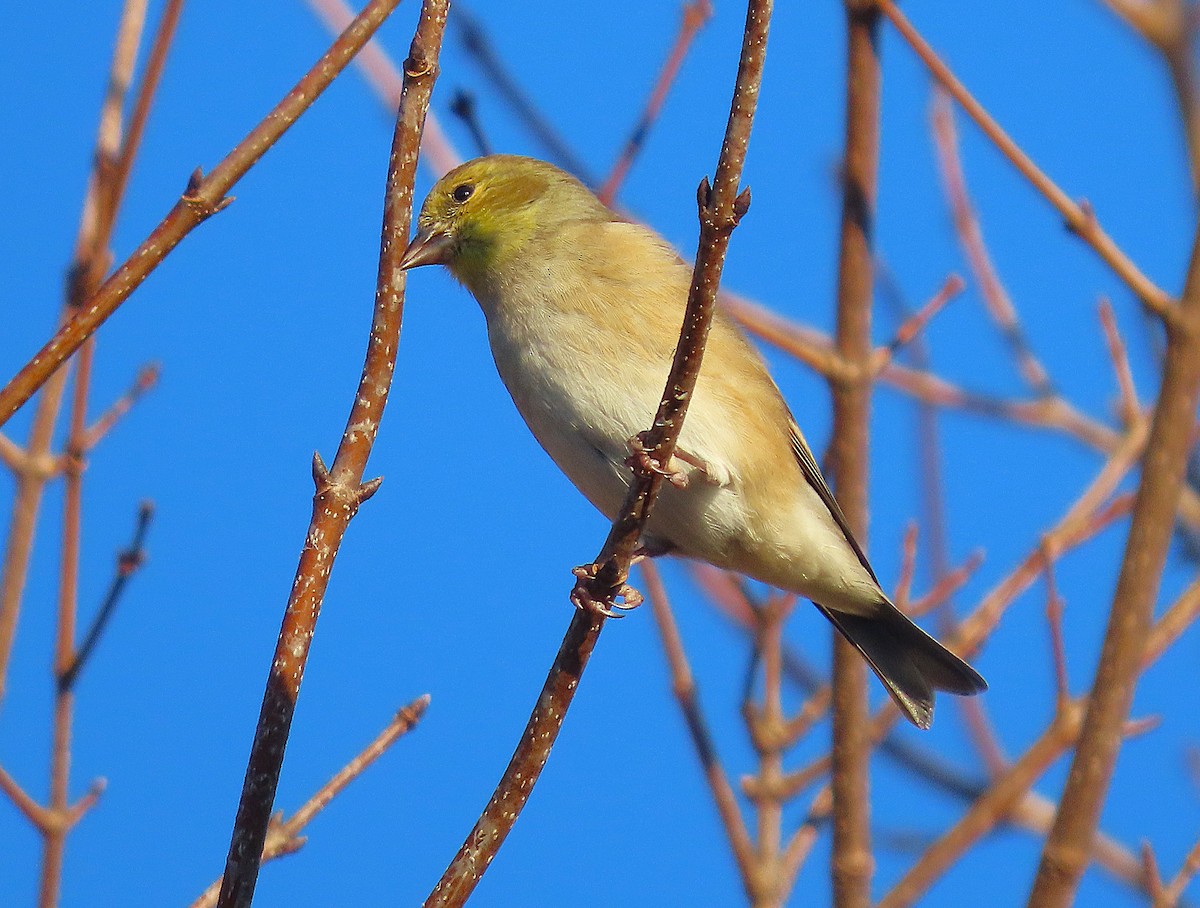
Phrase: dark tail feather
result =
(910, 663)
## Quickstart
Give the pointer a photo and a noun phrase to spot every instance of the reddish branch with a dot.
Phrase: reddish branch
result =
(283, 836)
(1064, 857)
(204, 197)
(695, 14)
(385, 79)
(340, 489)
(1080, 219)
(851, 862)
(603, 582)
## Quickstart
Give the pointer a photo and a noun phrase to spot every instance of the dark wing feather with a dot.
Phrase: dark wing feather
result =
(812, 475)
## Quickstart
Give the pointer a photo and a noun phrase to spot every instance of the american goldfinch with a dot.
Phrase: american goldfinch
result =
(583, 312)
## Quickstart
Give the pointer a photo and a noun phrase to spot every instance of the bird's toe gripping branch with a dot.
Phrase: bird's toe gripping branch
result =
(596, 594)
(642, 459)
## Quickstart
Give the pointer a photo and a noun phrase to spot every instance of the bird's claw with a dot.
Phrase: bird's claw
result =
(641, 459)
(582, 598)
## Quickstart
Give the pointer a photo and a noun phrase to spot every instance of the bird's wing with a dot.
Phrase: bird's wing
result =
(812, 475)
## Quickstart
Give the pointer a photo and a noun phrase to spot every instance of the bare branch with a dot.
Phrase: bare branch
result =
(1065, 854)
(1080, 219)
(204, 197)
(851, 863)
(696, 14)
(283, 837)
(600, 584)
(683, 686)
(340, 490)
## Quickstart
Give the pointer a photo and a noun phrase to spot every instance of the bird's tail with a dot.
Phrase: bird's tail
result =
(910, 663)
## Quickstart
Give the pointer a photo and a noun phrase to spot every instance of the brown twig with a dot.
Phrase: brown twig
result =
(1129, 406)
(696, 14)
(851, 862)
(1079, 219)
(382, 74)
(970, 237)
(146, 379)
(989, 810)
(1173, 890)
(914, 324)
(1064, 856)
(683, 686)
(600, 585)
(284, 837)
(1058, 646)
(340, 490)
(204, 197)
(38, 466)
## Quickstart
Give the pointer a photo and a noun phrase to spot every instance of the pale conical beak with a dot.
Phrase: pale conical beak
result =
(429, 246)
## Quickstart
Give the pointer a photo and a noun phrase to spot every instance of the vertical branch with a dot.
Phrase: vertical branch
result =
(852, 863)
(339, 490)
(1065, 854)
(55, 839)
(90, 247)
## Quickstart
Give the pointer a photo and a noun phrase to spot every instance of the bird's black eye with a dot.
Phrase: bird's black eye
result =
(463, 191)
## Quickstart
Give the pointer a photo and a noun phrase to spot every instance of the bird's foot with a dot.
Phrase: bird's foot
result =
(585, 600)
(673, 472)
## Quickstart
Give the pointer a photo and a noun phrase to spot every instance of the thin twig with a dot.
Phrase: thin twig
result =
(204, 197)
(683, 686)
(1129, 407)
(720, 209)
(437, 151)
(146, 379)
(1081, 220)
(696, 14)
(129, 561)
(340, 490)
(988, 811)
(462, 105)
(284, 835)
(970, 237)
(479, 47)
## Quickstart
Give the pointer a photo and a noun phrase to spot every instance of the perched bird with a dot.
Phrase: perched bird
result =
(583, 313)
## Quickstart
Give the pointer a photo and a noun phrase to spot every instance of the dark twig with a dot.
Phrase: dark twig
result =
(340, 490)
(462, 105)
(128, 562)
(604, 581)
(695, 14)
(204, 197)
(479, 46)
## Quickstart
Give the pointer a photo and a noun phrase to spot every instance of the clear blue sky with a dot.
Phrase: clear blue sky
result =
(453, 580)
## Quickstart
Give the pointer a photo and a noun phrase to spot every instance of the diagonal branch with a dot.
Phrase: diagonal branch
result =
(1064, 857)
(204, 197)
(339, 490)
(1080, 219)
(602, 583)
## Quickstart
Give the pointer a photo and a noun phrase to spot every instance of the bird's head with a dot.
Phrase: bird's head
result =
(479, 217)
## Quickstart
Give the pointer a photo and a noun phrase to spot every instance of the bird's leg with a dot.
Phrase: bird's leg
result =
(674, 472)
(583, 599)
